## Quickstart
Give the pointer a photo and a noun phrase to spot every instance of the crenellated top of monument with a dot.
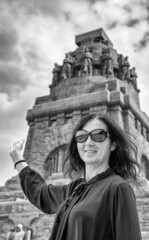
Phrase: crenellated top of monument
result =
(97, 36)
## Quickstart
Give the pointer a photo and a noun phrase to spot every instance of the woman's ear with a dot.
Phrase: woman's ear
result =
(113, 146)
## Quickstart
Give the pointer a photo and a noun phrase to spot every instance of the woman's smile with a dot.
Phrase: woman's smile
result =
(90, 152)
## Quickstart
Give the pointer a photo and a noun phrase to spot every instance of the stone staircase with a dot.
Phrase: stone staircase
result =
(143, 211)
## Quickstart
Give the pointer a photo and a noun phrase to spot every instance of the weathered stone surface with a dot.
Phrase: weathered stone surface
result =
(11, 195)
(143, 207)
(12, 184)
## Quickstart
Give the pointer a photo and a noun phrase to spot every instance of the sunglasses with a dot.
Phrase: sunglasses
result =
(97, 135)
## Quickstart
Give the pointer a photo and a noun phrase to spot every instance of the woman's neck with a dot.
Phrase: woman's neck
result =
(91, 171)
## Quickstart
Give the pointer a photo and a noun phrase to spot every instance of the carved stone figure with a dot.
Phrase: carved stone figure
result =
(120, 61)
(133, 77)
(87, 62)
(125, 73)
(56, 74)
(107, 62)
(67, 66)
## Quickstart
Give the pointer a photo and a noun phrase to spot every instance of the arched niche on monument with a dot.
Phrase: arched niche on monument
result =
(40, 226)
(6, 226)
(54, 161)
(145, 166)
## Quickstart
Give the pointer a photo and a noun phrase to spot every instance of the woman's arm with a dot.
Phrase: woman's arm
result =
(45, 197)
(124, 220)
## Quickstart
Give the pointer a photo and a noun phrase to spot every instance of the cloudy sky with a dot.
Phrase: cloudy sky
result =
(34, 34)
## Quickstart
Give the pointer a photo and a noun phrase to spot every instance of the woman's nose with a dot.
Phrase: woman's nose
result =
(89, 140)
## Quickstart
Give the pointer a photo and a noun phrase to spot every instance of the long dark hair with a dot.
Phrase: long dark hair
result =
(120, 160)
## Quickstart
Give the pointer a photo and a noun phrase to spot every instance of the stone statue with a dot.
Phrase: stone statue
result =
(120, 61)
(107, 63)
(87, 62)
(56, 74)
(67, 66)
(125, 73)
(133, 77)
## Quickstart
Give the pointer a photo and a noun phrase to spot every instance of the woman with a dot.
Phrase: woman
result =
(99, 206)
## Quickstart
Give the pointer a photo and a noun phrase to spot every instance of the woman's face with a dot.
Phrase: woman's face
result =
(95, 153)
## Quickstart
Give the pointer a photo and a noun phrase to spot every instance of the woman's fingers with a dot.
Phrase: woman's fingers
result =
(16, 152)
(18, 145)
(22, 141)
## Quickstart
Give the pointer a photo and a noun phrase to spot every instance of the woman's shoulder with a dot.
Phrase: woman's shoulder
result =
(121, 190)
(117, 182)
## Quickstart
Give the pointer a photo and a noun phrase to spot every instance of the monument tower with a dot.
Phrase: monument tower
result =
(94, 78)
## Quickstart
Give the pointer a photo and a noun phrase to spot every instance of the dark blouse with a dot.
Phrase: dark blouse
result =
(104, 208)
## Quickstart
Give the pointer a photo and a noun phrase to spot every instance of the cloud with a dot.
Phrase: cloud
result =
(9, 36)
(121, 12)
(132, 22)
(24, 58)
(8, 40)
(13, 79)
(143, 43)
(33, 8)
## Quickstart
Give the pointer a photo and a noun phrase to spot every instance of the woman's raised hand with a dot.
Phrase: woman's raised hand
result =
(16, 152)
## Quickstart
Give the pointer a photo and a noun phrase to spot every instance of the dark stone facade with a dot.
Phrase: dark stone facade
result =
(93, 78)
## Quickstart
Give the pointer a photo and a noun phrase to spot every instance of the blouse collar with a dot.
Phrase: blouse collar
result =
(99, 176)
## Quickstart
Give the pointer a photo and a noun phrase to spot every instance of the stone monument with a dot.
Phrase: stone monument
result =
(94, 78)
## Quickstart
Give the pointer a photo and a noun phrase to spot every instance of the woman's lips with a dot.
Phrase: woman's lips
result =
(90, 151)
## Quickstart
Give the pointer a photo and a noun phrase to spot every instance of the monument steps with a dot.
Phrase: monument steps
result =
(143, 211)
